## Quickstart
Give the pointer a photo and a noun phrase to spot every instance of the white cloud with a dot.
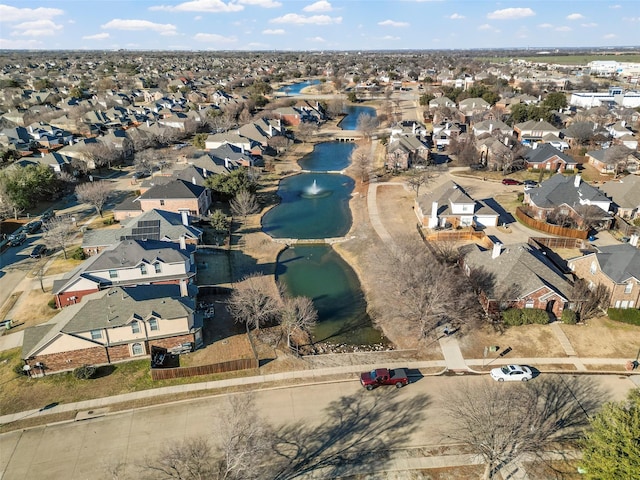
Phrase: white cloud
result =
(575, 16)
(261, 3)
(321, 6)
(36, 28)
(485, 26)
(393, 23)
(273, 31)
(256, 45)
(609, 36)
(197, 18)
(20, 43)
(631, 19)
(545, 25)
(615, 6)
(140, 25)
(511, 14)
(97, 36)
(213, 38)
(317, 39)
(563, 29)
(14, 14)
(390, 37)
(589, 25)
(456, 16)
(71, 21)
(208, 6)
(297, 19)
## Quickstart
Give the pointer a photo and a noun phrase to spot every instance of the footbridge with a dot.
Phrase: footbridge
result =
(311, 241)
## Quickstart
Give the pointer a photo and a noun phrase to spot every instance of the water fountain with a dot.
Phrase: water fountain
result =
(315, 191)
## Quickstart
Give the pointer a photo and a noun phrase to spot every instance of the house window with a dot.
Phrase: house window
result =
(162, 203)
(113, 274)
(153, 324)
(96, 334)
(529, 304)
(628, 287)
(143, 269)
(594, 268)
(158, 268)
(137, 349)
(135, 327)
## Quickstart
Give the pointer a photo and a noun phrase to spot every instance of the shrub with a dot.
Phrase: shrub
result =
(534, 315)
(52, 303)
(512, 317)
(569, 317)
(108, 221)
(18, 370)
(625, 315)
(78, 254)
(84, 372)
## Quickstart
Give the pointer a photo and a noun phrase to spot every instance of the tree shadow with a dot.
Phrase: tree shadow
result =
(504, 217)
(360, 430)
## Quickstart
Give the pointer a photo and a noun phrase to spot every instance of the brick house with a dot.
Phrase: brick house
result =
(548, 158)
(110, 326)
(617, 267)
(533, 131)
(128, 263)
(174, 196)
(404, 151)
(625, 194)
(522, 277)
(450, 205)
(606, 161)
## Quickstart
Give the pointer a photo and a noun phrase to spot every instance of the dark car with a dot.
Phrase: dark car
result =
(17, 239)
(33, 227)
(38, 251)
(510, 181)
(141, 174)
(477, 166)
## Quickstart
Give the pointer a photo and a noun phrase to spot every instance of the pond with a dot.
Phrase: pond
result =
(350, 122)
(296, 88)
(328, 156)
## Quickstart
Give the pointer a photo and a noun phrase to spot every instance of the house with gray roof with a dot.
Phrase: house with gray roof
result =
(113, 325)
(570, 196)
(625, 194)
(175, 196)
(159, 225)
(614, 160)
(517, 276)
(533, 131)
(617, 267)
(404, 151)
(450, 206)
(548, 158)
(128, 263)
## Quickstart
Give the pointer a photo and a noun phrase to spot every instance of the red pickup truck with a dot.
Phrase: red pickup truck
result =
(384, 376)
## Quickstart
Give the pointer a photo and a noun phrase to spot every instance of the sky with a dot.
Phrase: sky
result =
(316, 25)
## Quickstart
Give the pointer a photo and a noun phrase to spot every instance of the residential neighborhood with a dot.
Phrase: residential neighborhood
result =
(211, 222)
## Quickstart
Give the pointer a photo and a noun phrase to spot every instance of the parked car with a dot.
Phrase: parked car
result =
(17, 239)
(384, 376)
(33, 227)
(38, 251)
(512, 373)
(478, 166)
(141, 174)
(48, 215)
(528, 184)
(510, 181)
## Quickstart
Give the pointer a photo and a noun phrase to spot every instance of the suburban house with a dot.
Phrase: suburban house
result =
(548, 158)
(158, 225)
(533, 131)
(298, 114)
(113, 325)
(609, 160)
(570, 195)
(261, 130)
(217, 140)
(128, 263)
(617, 267)
(493, 152)
(175, 196)
(450, 206)
(445, 131)
(403, 151)
(490, 126)
(518, 276)
(441, 102)
(625, 194)
(471, 107)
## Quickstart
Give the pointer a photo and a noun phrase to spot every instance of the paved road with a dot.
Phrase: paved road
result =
(341, 413)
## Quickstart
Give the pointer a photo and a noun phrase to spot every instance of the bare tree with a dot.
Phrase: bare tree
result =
(361, 161)
(103, 154)
(95, 194)
(58, 233)
(252, 301)
(306, 129)
(581, 132)
(189, 460)
(592, 217)
(144, 160)
(418, 179)
(504, 425)
(590, 300)
(298, 314)
(366, 124)
(617, 155)
(244, 203)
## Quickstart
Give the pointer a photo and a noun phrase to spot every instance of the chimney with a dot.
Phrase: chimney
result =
(433, 220)
(183, 242)
(506, 141)
(193, 180)
(226, 163)
(633, 241)
(185, 217)
(576, 181)
(184, 291)
(204, 172)
(497, 248)
(148, 123)
(270, 130)
(413, 128)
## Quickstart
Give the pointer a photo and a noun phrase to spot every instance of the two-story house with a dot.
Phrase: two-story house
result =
(617, 267)
(113, 325)
(625, 194)
(128, 263)
(176, 196)
(450, 205)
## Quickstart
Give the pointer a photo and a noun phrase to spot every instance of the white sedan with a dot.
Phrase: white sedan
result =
(512, 373)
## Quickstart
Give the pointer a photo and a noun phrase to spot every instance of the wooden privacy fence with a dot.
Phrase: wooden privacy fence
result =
(626, 228)
(451, 235)
(548, 228)
(557, 242)
(181, 372)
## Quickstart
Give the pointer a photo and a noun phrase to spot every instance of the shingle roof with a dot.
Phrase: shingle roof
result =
(545, 152)
(176, 189)
(559, 190)
(620, 262)
(624, 192)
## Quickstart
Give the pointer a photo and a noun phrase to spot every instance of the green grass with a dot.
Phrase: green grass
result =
(625, 315)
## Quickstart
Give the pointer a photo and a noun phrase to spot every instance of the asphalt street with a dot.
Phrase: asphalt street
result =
(333, 416)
